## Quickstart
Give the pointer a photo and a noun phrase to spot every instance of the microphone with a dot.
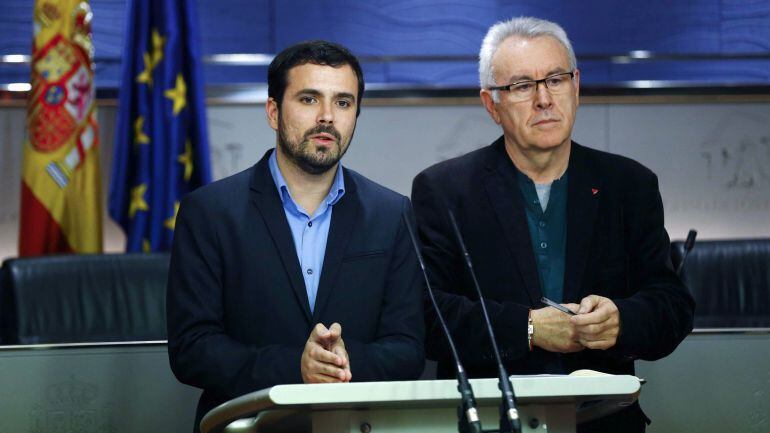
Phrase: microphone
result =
(509, 414)
(689, 243)
(467, 415)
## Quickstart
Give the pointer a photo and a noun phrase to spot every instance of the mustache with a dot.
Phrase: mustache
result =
(324, 129)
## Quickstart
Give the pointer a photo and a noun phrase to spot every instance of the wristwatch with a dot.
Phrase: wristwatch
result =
(530, 330)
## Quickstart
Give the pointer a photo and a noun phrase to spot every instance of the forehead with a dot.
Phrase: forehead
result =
(518, 56)
(322, 78)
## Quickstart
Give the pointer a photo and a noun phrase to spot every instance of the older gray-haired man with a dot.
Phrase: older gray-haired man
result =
(545, 216)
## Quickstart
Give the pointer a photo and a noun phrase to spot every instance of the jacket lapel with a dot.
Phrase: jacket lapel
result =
(502, 188)
(583, 193)
(264, 196)
(344, 222)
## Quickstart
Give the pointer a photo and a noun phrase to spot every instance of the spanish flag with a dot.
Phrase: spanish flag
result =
(61, 208)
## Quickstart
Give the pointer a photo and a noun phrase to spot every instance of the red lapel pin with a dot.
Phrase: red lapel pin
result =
(594, 191)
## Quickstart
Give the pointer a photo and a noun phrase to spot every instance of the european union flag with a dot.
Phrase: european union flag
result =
(161, 143)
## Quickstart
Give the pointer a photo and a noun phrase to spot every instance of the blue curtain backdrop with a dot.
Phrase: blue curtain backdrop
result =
(161, 143)
(737, 30)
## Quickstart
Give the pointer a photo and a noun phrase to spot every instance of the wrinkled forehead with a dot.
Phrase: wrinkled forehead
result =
(518, 56)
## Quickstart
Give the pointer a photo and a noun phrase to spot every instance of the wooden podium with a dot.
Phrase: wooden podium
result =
(553, 404)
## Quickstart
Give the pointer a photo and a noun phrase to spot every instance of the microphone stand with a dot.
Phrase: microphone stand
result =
(467, 415)
(509, 414)
(689, 243)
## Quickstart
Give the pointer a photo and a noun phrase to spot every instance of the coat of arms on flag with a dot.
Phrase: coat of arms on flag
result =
(61, 195)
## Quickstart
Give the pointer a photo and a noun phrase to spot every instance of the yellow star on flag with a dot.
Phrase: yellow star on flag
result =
(158, 42)
(170, 222)
(177, 94)
(139, 136)
(186, 160)
(146, 75)
(146, 247)
(137, 200)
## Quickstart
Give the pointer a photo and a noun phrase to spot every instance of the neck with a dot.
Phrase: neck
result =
(307, 189)
(542, 166)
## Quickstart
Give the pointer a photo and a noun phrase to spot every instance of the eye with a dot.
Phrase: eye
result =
(345, 103)
(523, 87)
(555, 81)
(307, 99)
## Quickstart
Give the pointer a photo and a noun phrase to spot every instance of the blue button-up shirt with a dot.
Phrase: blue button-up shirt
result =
(310, 232)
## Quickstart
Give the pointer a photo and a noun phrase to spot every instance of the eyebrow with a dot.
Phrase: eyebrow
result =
(311, 92)
(554, 71)
(314, 92)
(346, 95)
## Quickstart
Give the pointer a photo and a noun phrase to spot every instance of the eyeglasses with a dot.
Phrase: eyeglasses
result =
(525, 90)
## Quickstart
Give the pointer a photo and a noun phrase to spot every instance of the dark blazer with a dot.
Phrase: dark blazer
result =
(238, 312)
(616, 247)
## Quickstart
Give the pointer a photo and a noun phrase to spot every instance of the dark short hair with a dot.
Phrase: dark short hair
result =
(315, 52)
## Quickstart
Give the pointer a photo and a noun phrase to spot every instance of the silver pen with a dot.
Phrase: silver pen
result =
(559, 307)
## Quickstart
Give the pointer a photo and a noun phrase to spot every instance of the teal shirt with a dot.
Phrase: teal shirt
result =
(548, 232)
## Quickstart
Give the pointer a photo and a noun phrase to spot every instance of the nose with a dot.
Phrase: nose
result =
(326, 112)
(543, 99)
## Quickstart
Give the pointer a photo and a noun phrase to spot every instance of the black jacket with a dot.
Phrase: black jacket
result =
(238, 312)
(616, 247)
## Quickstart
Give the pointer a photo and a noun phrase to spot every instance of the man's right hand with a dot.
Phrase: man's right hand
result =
(553, 330)
(324, 359)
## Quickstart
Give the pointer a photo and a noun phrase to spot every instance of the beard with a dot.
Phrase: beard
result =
(303, 154)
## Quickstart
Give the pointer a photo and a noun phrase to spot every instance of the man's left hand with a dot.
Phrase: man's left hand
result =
(324, 359)
(337, 346)
(597, 322)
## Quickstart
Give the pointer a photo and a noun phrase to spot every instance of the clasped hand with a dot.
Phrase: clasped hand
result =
(596, 325)
(325, 359)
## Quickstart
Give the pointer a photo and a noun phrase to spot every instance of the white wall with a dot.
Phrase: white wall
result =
(713, 160)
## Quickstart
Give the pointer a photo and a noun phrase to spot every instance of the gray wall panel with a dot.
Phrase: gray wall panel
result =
(713, 160)
(711, 384)
(89, 390)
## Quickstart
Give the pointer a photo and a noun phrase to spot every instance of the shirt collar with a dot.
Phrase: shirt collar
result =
(338, 187)
(336, 191)
(526, 179)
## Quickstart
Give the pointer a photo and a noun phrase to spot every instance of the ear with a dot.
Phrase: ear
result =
(489, 104)
(577, 85)
(271, 111)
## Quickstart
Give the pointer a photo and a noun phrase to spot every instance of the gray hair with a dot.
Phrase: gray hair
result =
(525, 27)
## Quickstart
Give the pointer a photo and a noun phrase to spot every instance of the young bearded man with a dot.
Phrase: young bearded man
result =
(297, 269)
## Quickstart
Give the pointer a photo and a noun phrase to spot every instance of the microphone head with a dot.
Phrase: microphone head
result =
(690, 241)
